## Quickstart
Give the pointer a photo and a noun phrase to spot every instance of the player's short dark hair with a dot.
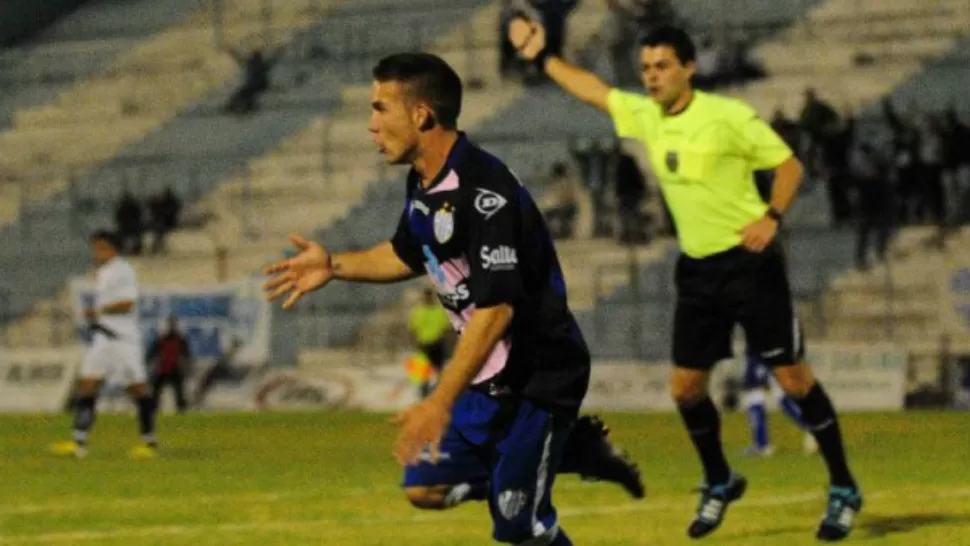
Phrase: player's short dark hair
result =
(426, 77)
(675, 38)
(109, 237)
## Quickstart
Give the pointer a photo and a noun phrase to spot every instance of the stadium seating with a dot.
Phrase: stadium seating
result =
(191, 133)
(87, 40)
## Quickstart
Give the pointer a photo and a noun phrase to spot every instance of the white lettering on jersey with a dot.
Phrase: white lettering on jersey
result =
(501, 258)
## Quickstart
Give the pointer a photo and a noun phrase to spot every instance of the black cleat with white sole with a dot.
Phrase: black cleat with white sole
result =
(714, 504)
(844, 505)
(590, 454)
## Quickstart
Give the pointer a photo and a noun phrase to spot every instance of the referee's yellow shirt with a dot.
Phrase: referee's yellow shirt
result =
(705, 158)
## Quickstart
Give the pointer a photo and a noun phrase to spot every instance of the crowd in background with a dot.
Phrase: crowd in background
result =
(158, 215)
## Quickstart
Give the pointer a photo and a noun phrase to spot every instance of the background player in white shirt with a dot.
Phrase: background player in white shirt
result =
(115, 354)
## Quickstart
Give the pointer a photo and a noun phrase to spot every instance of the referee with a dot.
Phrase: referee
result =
(704, 149)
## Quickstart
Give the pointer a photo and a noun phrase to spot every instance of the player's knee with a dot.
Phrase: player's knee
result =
(796, 380)
(688, 386)
(426, 498)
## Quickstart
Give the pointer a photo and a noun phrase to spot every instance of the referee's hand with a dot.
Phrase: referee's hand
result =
(527, 37)
(757, 236)
(309, 270)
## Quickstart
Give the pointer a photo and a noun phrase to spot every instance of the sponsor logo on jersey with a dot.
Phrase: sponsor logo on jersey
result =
(456, 296)
(488, 202)
(500, 258)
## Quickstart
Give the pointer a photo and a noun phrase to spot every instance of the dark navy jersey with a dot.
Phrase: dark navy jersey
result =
(479, 235)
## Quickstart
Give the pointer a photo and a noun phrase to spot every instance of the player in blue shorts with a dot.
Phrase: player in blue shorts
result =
(756, 385)
(502, 421)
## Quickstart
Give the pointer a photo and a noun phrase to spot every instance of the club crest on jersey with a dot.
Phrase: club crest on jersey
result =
(673, 161)
(444, 223)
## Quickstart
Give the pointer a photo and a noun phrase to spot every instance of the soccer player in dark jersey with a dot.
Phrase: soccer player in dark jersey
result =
(502, 421)
(704, 149)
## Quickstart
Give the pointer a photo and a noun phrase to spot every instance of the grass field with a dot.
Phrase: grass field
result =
(328, 478)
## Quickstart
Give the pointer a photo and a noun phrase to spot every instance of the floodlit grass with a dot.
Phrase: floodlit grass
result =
(328, 478)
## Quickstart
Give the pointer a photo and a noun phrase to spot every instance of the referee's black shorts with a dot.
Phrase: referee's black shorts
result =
(735, 287)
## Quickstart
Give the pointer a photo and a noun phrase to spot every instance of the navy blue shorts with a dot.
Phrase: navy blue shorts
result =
(516, 447)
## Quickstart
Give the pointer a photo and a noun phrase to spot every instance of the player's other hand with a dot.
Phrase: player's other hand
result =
(757, 236)
(527, 37)
(422, 426)
(309, 270)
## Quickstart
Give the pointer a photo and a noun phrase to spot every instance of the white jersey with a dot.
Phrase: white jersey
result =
(116, 282)
(118, 359)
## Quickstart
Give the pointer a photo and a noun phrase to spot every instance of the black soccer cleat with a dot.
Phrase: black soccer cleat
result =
(844, 504)
(595, 458)
(714, 504)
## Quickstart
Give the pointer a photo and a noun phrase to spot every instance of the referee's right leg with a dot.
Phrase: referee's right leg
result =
(702, 337)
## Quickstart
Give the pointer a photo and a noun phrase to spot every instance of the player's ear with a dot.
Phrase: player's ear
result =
(424, 118)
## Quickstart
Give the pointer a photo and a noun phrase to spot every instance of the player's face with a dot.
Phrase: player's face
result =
(102, 251)
(394, 122)
(664, 76)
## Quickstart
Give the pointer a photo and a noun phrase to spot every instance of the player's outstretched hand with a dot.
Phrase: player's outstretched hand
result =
(309, 270)
(422, 426)
(758, 235)
(527, 37)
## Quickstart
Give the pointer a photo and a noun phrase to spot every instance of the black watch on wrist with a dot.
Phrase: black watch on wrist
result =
(774, 214)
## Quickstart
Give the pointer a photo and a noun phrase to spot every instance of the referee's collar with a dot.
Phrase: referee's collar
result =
(694, 93)
(454, 157)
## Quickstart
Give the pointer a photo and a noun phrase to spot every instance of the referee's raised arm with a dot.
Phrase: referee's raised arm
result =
(529, 39)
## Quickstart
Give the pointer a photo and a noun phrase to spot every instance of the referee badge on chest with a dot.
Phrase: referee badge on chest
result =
(673, 161)
(444, 223)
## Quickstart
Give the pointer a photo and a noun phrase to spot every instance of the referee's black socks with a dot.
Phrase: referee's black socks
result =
(84, 413)
(819, 415)
(704, 425)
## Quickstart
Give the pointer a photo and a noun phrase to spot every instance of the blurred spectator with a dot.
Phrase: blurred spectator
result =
(652, 14)
(631, 189)
(223, 370)
(787, 129)
(164, 209)
(906, 163)
(553, 14)
(869, 173)
(128, 223)
(593, 158)
(708, 74)
(621, 42)
(256, 79)
(560, 201)
(429, 325)
(835, 146)
(171, 351)
(509, 63)
(932, 158)
(816, 117)
(957, 165)
(963, 395)
(743, 66)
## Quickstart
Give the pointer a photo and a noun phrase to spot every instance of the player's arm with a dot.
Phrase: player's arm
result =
(765, 149)
(378, 264)
(528, 38)
(478, 339)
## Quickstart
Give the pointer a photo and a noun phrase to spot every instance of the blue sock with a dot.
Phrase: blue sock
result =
(561, 539)
(757, 417)
(791, 409)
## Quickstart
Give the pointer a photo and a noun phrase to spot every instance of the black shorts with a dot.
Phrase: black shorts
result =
(735, 287)
(436, 354)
